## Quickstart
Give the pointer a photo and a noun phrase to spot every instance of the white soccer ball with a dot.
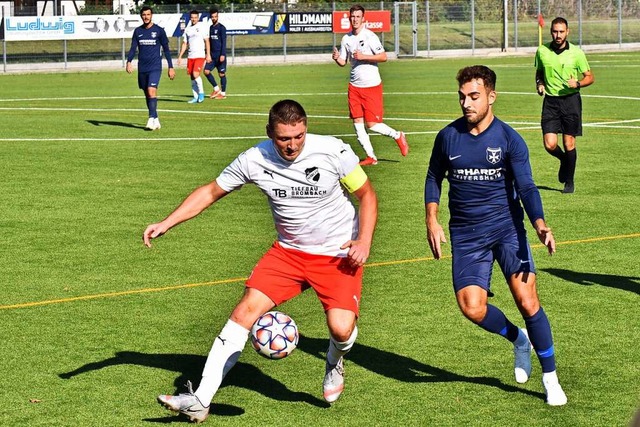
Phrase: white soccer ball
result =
(274, 335)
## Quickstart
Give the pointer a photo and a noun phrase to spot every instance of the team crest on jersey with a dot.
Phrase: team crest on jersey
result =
(154, 34)
(313, 175)
(494, 155)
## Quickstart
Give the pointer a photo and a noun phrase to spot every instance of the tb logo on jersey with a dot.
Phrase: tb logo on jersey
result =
(494, 155)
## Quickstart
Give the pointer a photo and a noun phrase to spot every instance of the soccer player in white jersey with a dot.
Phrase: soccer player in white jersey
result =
(196, 39)
(362, 48)
(323, 243)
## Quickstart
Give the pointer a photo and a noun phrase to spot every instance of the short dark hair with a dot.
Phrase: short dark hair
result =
(213, 10)
(473, 72)
(144, 9)
(194, 12)
(288, 112)
(560, 20)
(356, 7)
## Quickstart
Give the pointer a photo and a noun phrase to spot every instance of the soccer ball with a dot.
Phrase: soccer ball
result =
(274, 335)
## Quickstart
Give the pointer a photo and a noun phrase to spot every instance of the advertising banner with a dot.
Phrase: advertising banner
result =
(121, 26)
(378, 21)
(304, 22)
(81, 27)
(247, 23)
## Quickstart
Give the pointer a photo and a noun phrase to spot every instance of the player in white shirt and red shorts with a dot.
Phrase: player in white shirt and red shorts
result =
(196, 39)
(323, 242)
(362, 48)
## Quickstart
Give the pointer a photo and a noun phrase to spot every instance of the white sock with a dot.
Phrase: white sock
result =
(194, 88)
(363, 139)
(550, 378)
(339, 349)
(385, 130)
(199, 86)
(217, 88)
(223, 355)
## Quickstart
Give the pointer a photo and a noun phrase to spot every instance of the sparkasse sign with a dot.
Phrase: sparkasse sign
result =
(378, 21)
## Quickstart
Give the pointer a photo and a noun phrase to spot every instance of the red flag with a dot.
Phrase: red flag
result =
(540, 20)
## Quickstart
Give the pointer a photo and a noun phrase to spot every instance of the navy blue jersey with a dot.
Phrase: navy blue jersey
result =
(488, 175)
(148, 42)
(218, 40)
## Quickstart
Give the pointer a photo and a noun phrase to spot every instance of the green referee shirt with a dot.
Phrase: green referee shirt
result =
(559, 68)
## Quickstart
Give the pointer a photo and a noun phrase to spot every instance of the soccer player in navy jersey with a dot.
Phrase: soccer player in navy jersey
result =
(147, 40)
(487, 165)
(218, 42)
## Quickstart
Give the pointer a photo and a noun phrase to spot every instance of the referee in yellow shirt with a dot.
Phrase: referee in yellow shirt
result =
(561, 71)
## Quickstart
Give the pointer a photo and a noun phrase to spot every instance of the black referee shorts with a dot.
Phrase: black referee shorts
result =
(562, 114)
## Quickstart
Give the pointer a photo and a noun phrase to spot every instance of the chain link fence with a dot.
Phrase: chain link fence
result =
(442, 25)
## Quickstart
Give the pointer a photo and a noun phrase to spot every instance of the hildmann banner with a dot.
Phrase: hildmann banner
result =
(304, 22)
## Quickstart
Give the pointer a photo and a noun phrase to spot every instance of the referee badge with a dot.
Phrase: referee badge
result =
(494, 155)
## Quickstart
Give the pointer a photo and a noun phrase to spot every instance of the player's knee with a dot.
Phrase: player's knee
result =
(222, 74)
(341, 330)
(207, 72)
(474, 312)
(528, 306)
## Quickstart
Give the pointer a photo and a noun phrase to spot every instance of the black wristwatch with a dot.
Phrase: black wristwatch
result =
(577, 85)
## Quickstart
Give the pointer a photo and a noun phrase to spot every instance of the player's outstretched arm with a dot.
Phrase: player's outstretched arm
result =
(435, 232)
(368, 216)
(196, 202)
(545, 235)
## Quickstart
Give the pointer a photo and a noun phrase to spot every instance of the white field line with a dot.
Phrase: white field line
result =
(619, 124)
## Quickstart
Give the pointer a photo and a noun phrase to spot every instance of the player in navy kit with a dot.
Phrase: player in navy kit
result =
(218, 42)
(487, 165)
(147, 40)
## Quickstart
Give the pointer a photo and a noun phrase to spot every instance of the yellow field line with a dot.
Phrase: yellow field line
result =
(242, 279)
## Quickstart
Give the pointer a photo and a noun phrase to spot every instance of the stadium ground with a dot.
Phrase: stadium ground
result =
(96, 326)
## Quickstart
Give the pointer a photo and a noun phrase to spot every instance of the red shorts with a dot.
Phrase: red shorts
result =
(195, 64)
(366, 102)
(282, 274)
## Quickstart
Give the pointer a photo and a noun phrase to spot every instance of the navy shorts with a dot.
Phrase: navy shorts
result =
(562, 114)
(475, 250)
(216, 63)
(150, 79)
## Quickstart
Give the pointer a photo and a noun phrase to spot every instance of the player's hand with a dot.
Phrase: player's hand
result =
(222, 58)
(546, 237)
(435, 237)
(151, 232)
(209, 60)
(358, 252)
(336, 54)
(172, 73)
(129, 67)
(357, 55)
(179, 62)
(572, 82)
(540, 89)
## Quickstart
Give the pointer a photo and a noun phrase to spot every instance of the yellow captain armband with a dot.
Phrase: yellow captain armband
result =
(354, 180)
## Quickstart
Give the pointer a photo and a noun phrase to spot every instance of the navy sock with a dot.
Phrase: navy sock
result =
(496, 322)
(152, 105)
(223, 83)
(211, 79)
(572, 157)
(540, 335)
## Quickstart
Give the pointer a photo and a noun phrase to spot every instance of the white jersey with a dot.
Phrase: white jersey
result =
(311, 210)
(195, 35)
(363, 73)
